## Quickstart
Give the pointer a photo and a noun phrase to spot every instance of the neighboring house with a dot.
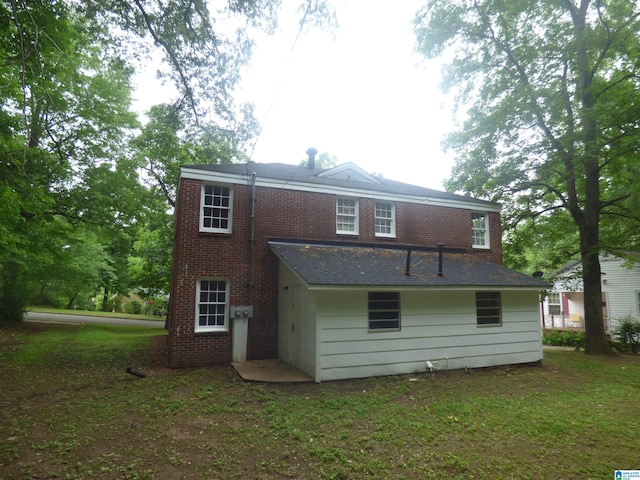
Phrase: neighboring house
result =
(340, 274)
(564, 305)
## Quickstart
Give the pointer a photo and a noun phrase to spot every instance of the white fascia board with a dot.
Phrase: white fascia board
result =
(210, 176)
(396, 288)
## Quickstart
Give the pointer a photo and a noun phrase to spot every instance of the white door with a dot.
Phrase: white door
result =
(295, 327)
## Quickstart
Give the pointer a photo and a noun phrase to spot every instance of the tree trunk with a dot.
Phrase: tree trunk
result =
(589, 222)
(105, 299)
(71, 300)
(595, 335)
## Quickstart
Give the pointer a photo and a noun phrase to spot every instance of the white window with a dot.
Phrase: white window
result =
(638, 301)
(384, 310)
(212, 310)
(479, 230)
(347, 216)
(553, 301)
(215, 211)
(385, 219)
(488, 308)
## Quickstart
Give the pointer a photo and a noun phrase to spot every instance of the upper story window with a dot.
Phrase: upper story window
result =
(384, 310)
(215, 211)
(347, 216)
(212, 310)
(479, 230)
(488, 308)
(385, 219)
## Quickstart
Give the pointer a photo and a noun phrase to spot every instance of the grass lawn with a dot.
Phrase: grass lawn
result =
(69, 410)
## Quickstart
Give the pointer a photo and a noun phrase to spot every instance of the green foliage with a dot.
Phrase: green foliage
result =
(550, 94)
(627, 334)
(564, 338)
(71, 149)
(133, 307)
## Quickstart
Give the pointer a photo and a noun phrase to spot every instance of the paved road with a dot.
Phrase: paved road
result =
(81, 319)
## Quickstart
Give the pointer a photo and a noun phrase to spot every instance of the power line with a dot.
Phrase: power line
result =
(281, 81)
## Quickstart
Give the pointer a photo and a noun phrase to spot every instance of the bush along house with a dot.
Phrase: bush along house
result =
(342, 274)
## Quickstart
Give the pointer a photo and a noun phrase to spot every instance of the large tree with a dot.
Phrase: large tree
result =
(65, 118)
(550, 92)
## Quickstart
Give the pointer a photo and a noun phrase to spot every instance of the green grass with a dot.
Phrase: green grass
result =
(93, 313)
(69, 410)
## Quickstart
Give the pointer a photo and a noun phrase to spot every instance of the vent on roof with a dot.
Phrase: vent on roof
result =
(440, 249)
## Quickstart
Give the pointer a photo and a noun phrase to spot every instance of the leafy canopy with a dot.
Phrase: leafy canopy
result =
(549, 94)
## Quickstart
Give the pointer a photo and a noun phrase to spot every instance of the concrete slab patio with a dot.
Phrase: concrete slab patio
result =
(271, 371)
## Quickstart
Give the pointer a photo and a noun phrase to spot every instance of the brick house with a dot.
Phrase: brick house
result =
(342, 274)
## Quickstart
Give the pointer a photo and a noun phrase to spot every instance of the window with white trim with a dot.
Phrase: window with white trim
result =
(385, 219)
(347, 216)
(488, 308)
(479, 230)
(215, 211)
(384, 311)
(553, 302)
(638, 301)
(212, 310)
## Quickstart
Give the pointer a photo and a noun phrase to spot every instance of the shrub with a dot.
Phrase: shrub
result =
(627, 334)
(559, 338)
(134, 306)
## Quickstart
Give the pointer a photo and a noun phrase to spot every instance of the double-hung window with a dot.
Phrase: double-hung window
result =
(212, 309)
(479, 230)
(215, 211)
(384, 311)
(553, 300)
(385, 219)
(489, 308)
(347, 216)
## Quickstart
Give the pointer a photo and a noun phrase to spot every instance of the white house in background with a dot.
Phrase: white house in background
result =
(564, 305)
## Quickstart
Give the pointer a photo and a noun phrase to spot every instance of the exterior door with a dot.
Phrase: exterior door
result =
(295, 327)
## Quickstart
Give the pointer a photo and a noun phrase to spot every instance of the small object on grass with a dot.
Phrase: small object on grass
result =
(135, 372)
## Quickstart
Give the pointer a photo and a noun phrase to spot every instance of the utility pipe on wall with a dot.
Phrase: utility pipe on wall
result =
(252, 240)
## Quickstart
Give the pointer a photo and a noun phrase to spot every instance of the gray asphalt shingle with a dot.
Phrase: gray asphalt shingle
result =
(327, 265)
(298, 173)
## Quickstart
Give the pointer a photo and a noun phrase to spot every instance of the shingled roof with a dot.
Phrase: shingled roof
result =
(320, 265)
(289, 174)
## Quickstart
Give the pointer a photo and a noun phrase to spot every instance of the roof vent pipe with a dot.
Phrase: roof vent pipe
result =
(407, 271)
(312, 158)
(440, 248)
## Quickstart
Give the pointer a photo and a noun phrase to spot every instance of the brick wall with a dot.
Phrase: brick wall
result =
(282, 214)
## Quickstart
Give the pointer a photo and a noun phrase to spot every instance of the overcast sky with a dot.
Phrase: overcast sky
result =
(360, 94)
(363, 97)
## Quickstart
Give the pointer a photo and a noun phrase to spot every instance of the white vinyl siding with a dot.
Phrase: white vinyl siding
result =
(212, 308)
(439, 326)
(215, 208)
(347, 216)
(479, 230)
(385, 219)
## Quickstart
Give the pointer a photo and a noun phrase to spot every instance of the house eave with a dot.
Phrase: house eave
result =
(213, 176)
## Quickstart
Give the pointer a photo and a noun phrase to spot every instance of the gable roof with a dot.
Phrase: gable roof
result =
(346, 177)
(329, 266)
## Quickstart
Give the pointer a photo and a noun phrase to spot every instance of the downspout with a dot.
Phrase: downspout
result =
(252, 240)
(440, 249)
